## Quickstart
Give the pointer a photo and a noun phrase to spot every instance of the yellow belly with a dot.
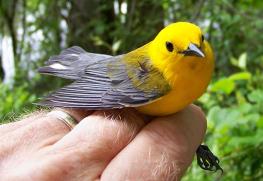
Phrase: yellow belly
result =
(166, 105)
(185, 91)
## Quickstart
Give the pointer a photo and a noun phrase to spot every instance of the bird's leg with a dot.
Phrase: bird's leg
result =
(207, 160)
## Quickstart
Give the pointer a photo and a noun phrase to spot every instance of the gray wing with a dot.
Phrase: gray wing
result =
(108, 84)
(71, 63)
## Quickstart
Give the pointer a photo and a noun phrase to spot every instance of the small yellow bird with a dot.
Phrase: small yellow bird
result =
(159, 78)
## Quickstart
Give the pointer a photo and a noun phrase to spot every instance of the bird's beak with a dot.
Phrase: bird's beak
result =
(193, 50)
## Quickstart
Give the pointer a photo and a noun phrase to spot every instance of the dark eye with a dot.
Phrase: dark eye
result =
(202, 38)
(169, 46)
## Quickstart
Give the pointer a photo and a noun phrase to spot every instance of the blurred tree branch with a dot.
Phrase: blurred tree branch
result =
(8, 10)
(22, 42)
(198, 9)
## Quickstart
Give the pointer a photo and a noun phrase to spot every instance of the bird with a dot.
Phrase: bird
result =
(159, 78)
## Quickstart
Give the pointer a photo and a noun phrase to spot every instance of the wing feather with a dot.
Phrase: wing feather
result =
(111, 84)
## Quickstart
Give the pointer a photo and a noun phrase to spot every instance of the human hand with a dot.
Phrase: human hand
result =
(105, 145)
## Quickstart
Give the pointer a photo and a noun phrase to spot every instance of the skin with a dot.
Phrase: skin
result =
(110, 145)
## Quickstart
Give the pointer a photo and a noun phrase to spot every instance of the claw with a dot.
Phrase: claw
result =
(207, 160)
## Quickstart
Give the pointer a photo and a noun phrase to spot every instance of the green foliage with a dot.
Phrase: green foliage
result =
(235, 120)
(14, 100)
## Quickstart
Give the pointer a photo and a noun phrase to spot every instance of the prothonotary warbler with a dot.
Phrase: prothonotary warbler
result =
(159, 78)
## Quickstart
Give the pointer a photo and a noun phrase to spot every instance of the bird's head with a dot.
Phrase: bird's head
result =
(179, 51)
(181, 41)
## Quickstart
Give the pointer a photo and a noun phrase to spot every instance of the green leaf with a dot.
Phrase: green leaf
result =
(256, 96)
(204, 98)
(116, 45)
(240, 76)
(224, 85)
(245, 108)
(240, 97)
(234, 61)
(242, 61)
(260, 122)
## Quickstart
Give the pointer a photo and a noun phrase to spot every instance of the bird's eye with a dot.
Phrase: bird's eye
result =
(202, 38)
(169, 46)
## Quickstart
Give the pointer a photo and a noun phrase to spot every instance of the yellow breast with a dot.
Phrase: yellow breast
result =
(188, 78)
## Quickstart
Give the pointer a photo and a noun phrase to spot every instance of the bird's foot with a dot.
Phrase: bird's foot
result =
(207, 160)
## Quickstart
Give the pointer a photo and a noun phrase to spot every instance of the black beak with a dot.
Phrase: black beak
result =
(193, 50)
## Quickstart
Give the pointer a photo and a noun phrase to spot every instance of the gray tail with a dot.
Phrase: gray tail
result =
(71, 63)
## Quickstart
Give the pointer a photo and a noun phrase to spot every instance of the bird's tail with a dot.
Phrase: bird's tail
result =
(70, 63)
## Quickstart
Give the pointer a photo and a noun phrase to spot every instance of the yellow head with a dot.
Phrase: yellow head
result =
(180, 48)
(186, 61)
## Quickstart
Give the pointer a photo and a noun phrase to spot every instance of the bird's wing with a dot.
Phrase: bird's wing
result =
(71, 63)
(112, 84)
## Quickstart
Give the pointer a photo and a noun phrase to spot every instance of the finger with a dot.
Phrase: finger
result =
(37, 131)
(162, 150)
(51, 128)
(91, 145)
(77, 114)
(20, 122)
(25, 120)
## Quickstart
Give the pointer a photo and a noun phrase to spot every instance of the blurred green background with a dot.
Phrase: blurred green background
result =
(32, 30)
